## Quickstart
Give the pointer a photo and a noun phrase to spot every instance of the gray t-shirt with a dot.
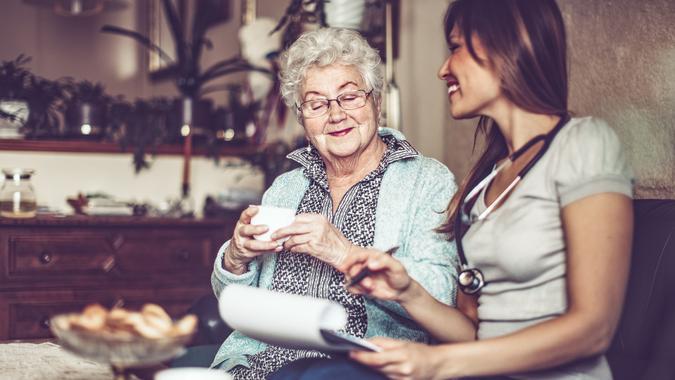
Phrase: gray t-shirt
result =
(520, 247)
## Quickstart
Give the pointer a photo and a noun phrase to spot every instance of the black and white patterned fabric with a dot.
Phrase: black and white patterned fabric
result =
(304, 274)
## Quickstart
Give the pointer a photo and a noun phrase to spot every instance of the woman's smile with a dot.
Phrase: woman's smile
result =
(453, 85)
(340, 132)
(453, 89)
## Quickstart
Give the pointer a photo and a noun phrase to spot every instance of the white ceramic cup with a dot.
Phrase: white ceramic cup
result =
(274, 218)
(192, 373)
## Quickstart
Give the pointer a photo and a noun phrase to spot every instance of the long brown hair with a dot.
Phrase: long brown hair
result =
(525, 40)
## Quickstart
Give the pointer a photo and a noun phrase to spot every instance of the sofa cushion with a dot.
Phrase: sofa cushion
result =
(644, 343)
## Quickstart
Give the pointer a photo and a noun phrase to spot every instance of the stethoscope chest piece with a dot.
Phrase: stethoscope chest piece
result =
(471, 280)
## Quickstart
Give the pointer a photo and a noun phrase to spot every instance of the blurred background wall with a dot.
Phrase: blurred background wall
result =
(622, 69)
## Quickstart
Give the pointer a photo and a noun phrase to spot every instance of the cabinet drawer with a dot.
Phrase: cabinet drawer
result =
(59, 254)
(31, 321)
(166, 255)
(124, 255)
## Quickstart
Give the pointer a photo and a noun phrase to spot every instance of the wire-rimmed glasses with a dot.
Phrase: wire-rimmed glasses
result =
(349, 100)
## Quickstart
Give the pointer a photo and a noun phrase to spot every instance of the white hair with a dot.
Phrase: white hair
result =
(323, 47)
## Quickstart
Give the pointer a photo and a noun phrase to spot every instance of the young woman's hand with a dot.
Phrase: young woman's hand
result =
(314, 235)
(401, 359)
(388, 279)
(243, 247)
(468, 305)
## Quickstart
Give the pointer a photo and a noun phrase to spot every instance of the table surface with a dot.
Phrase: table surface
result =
(47, 360)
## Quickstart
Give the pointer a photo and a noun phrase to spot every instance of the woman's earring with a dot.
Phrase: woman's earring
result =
(309, 148)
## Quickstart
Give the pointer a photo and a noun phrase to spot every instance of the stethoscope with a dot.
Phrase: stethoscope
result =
(471, 280)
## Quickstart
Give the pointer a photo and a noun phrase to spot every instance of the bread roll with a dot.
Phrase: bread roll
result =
(152, 322)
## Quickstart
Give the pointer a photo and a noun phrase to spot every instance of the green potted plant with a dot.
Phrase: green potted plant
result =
(86, 110)
(141, 126)
(43, 98)
(185, 70)
(46, 104)
(14, 89)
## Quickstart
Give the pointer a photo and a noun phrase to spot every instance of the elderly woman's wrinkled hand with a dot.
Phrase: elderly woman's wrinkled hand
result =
(388, 278)
(401, 359)
(243, 247)
(314, 235)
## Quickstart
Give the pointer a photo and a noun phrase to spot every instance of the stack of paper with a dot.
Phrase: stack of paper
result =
(288, 320)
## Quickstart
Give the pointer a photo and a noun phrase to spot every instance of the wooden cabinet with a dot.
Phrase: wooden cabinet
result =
(75, 146)
(51, 265)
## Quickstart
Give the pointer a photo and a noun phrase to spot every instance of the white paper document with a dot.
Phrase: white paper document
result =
(288, 320)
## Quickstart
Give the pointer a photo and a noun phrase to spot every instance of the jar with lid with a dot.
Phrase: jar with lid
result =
(17, 197)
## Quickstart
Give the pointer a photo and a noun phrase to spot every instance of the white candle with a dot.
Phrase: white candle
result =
(187, 111)
(16, 202)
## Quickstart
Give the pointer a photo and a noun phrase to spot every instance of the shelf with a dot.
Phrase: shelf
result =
(78, 146)
(93, 221)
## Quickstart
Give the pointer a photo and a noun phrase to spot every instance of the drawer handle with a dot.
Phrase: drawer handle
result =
(119, 302)
(118, 242)
(183, 255)
(44, 323)
(108, 264)
(45, 257)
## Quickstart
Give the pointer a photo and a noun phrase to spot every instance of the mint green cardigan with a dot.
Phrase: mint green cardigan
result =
(413, 196)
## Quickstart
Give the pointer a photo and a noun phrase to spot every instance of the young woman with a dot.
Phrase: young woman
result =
(543, 222)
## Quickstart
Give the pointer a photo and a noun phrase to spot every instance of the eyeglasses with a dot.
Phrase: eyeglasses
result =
(349, 100)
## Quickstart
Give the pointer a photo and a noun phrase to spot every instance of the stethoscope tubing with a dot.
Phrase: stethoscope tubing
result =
(548, 139)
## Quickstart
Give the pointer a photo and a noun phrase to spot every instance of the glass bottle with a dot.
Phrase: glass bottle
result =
(17, 197)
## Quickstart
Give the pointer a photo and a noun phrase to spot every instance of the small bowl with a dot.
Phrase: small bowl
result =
(118, 350)
(192, 373)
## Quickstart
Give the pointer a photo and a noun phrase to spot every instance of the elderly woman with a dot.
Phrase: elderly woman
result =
(360, 187)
